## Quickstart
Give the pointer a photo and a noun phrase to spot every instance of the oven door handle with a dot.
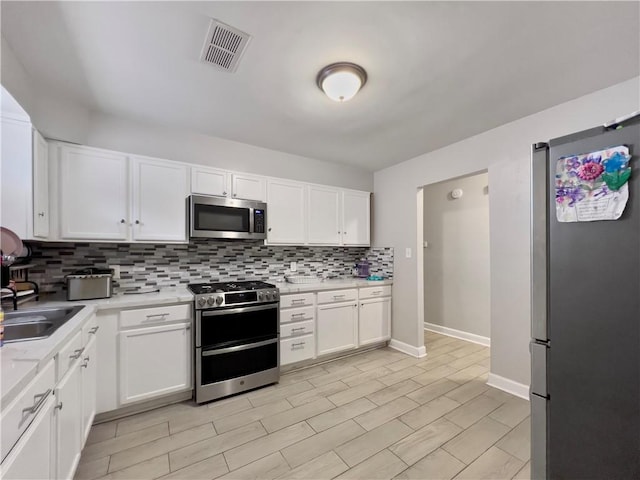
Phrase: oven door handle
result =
(237, 348)
(231, 311)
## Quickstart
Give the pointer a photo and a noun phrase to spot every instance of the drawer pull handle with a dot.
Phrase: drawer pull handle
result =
(94, 330)
(39, 400)
(377, 292)
(156, 315)
(297, 329)
(298, 301)
(296, 345)
(58, 406)
(339, 296)
(76, 353)
(86, 363)
(297, 315)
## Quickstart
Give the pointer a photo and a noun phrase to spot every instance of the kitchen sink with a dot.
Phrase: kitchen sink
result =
(35, 324)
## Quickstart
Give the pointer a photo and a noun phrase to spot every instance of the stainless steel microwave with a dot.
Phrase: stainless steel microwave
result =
(219, 217)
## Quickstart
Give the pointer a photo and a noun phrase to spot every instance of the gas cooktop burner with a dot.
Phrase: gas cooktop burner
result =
(226, 294)
(221, 287)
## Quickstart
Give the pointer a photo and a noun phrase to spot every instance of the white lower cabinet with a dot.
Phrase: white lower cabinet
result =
(33, 457)
(374, 320)
(337, 328)
(296, 349)
(154, 361)
(89, 383)
(68, 417)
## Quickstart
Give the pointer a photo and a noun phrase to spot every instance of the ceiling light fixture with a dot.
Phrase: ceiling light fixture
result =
(341, 81)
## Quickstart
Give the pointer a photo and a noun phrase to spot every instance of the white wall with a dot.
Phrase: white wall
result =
(157, 141)
(456, 261)
(504, 151)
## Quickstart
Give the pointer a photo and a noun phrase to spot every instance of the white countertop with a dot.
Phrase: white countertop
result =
(329, 285)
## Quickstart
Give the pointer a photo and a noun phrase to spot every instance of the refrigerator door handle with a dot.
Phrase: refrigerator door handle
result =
(539, 235)
(539, 368)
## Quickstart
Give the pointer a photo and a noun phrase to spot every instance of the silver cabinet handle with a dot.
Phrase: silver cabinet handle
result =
(224, 193)
(336, 297)
(137, 222)
(297, 315)
(269, 229)
(94, 330)
(58, 406)
(157, 315)
(41, 214)
(76, 353)
(297, 301)
(377, 292)
(122, 221)
(39, 400)
(298, 329)
(296, 345)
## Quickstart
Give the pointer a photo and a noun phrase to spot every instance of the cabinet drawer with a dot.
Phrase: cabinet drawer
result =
(17, 416)
(69, 354)
(147, 316)
(89, 330)
(296, 314)
(372, 292)
(337, 296)
(296, 349)
(297, 300)
(295, 329)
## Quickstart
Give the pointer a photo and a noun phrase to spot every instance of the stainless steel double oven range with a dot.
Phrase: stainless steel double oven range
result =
(237, 337)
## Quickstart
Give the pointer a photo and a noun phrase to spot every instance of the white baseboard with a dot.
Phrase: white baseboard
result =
(514, 388)
(417, 352)
(452, 332)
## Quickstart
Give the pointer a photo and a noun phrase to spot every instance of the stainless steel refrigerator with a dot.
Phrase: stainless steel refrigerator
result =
(585, 348)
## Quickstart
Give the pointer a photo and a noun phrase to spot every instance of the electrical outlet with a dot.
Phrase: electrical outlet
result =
(116, 271)
(407, 252)
(293, 267)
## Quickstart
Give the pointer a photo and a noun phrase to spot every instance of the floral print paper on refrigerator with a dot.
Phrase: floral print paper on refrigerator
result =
(592, 186)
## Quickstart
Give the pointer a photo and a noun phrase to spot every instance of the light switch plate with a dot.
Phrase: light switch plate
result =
(116, 271)
(293, 266)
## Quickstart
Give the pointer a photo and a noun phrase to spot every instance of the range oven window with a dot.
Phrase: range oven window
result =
(237, 326)
(224, 366)
(217, 218)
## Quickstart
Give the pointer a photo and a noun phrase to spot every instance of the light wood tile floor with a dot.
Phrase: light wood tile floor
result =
(376, 415)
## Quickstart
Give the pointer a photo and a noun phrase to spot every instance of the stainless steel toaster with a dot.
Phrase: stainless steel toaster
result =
(90, 283)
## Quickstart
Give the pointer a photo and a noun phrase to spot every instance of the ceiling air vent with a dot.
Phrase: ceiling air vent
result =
(224, 46)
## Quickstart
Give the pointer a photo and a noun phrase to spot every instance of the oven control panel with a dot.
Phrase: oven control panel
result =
(226, 299)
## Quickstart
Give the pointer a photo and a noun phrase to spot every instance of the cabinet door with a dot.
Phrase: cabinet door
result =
(40, 186)
(159, 200)
(337, 327)
(209, 181)
(94, 194)
(356, 207)
(68, 413)
(107, 367)
(15, 181)
(374, 321)
(33, 457)
(89, 384)
(249, 187)
(323, 215)
(154, 361)
(285, 212)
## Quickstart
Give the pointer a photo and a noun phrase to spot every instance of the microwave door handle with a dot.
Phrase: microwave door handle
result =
(251, 215)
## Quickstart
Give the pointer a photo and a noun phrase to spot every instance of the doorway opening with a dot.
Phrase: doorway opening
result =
(455, 259)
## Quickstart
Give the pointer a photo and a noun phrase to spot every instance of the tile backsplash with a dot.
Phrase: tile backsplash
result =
(144, 265)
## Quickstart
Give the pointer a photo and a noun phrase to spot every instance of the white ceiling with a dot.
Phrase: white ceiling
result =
(438, 71)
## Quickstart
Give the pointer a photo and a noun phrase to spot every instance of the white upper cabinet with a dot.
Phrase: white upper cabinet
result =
(285, 212)
(221, 183)
(323, 217)
(160, 189)
(210, 181)
(41, 212)
(248, 187)
(356, 214)
(94, 194)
